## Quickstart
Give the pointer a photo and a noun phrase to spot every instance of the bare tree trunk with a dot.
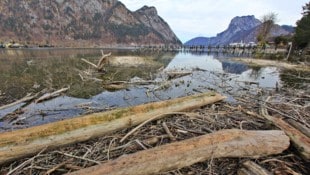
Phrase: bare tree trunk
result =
(225, 143)
(289, 52)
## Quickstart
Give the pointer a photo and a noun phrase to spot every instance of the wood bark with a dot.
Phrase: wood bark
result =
(26, 142)
(302, 128)
(299, 140)
(250, 168)
(224, 143)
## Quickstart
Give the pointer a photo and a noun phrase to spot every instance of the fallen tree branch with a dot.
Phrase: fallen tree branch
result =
(51, 95)
(172, 138)
(225, 143)
(25, 99)
(253, 168)
(299, 126)
(103, 60)
(149, 120)
(100, 63)
(26, 142)
(300, 140)
(25, 163)
(77, 157)
(90, 63)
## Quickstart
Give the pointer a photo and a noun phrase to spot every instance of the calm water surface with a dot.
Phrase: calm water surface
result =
(32, 70)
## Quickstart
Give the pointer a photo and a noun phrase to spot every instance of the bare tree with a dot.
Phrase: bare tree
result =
(268, 21)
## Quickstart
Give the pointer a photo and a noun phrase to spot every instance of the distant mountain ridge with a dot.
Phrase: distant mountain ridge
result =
(82, 23)
(241, 29)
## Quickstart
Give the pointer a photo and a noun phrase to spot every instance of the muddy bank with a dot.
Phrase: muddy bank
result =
(280, 64)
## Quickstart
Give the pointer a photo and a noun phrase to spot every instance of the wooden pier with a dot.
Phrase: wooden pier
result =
(232, 50)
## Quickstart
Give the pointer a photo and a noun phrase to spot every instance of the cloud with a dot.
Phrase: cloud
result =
(192, 18)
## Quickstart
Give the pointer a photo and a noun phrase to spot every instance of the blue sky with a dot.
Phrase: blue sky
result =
(192, 18)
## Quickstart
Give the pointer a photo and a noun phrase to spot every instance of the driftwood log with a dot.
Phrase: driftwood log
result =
(299, 140)
(250, 168)
(26, 142)
(224, 143)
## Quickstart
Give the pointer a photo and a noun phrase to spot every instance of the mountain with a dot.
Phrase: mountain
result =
(244, 28)
(82, 23)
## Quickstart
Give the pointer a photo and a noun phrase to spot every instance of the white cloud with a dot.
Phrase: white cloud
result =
(192, 18)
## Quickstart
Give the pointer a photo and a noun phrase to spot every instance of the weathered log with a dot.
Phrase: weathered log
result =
(225, 143)
(250, 168)
(300, 140)
(302, 128)
(29, 141)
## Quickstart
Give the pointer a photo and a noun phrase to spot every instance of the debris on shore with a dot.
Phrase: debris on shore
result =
(176, 127)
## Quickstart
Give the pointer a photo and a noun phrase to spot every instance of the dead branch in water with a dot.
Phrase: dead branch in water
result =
(103, 60)
(25, 99)
(51, 95)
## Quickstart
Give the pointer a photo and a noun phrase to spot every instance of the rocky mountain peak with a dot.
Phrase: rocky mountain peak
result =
(82, 23)
(240, 29)
(148, 10)
(244, 22)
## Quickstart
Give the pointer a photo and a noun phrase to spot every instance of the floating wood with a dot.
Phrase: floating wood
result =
(25, 99)
(177, 74)
(25, 142)
(225, 143)
(51, 95)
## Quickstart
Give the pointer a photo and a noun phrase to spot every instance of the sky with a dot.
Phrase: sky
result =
(192, 18)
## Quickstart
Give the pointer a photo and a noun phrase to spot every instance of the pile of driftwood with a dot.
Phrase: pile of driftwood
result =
(197, 134)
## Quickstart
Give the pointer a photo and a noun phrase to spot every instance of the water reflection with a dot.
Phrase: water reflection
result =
(266, 77)
(23, 71)
(189, 61)
(234, 68)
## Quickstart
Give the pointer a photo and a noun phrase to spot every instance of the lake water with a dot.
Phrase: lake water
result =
(25, 71)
